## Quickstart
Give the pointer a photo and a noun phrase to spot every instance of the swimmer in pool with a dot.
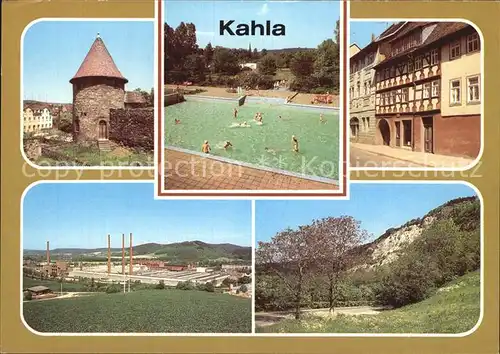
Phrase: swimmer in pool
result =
(295, 143)
(256, 117)
(271, 151)
(235, 113)
(279, 117)
(321, 119)
(205, 147)
(177, 121)
(227, 145)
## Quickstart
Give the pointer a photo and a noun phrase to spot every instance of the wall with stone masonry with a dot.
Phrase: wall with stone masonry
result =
(133, 127)
(92, 100)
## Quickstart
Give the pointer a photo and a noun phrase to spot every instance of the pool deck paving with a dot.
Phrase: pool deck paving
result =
(185, 171)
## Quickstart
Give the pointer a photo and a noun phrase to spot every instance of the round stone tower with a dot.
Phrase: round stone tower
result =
(98, 86)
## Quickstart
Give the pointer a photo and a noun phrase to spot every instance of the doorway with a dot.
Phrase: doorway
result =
(407, 140)
(103, 130)
(428, 134)
(398, 134)
(385, 132)
(354, 123)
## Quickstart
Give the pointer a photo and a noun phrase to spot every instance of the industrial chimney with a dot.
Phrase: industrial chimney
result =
(123, 254)
(48, 253)
(130, 255)
(109, 254)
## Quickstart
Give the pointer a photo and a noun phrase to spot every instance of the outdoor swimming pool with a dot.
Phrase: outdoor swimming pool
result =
(211, 119)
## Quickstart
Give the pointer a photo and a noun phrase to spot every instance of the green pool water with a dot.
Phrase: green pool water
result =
(203, 119)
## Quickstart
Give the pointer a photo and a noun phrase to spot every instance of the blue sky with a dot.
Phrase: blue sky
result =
(361, 31)
(377, 206)
(307, 23)
(54, 50)
(80, 215)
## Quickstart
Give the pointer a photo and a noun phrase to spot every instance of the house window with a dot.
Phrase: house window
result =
(393, 97)
(386, 98)
(358, 89)
(418, 63)
(473, 89)
(405, 94)
(410, 66)
(427, 91)
(472, 43)
(435, 89)
(387, 73)
(434, 57)
(368, 122)
(454, 50)
(393, 71)
(455, 92)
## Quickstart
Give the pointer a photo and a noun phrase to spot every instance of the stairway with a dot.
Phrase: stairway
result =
(104, 145)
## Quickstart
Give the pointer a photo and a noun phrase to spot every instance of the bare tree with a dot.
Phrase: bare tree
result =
(334, 240)
(290, 256)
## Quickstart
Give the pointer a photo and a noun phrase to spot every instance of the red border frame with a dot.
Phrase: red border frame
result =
(264, 194)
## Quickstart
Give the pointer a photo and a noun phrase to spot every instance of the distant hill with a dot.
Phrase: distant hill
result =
(181, 251)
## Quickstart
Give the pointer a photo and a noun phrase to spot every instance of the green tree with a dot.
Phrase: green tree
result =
(243, 288)
(195, 67)
(267, 65)
(208, 53)
(160, 285)
(302, 64)
(326, 65)
(225, 62)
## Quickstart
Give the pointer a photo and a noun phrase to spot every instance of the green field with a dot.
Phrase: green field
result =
(54, 285)
(454, 309)
(145, 311)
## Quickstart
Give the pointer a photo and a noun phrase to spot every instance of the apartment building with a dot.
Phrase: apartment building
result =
(36, 117)
(427, 89)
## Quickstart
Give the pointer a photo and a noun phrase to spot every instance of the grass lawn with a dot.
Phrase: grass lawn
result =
(146, 311)
(91, 156)
(453, 309)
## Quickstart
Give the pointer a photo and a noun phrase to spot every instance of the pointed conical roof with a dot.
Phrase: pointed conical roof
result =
(98, 62)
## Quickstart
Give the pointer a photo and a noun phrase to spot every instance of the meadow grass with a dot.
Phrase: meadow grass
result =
(144, 311)
(455, 308)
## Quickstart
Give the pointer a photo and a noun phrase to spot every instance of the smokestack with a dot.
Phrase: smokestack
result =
(123, 254)
(130, 255)
(109, 254)
(48, 253)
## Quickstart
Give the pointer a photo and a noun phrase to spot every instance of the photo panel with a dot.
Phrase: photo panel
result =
(253, 98)
(87, 93)
(372, 265)
(415, 94)
(136, 265)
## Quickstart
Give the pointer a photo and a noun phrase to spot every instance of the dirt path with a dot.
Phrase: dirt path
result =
(263, 319)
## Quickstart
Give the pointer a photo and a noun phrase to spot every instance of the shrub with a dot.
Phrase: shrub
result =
(244, 280)
(28, 296)
(112, 289)
(209, 287)
(160, 285)
(185, 285)
(243, 288)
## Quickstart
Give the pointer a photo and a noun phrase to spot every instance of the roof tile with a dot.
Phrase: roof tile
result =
(98, 62)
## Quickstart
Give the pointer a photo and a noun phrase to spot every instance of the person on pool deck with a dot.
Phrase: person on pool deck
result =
(205, 147)
(227, 145)
(295, 143)
(235, 112)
